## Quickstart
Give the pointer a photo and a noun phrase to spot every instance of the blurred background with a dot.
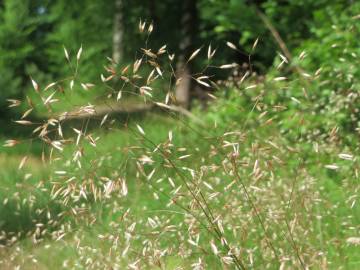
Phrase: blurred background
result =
(34, 33)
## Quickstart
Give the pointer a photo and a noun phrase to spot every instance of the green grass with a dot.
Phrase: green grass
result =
(318, 204)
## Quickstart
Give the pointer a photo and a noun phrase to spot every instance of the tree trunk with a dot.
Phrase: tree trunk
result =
(118, 33)
(183, 69)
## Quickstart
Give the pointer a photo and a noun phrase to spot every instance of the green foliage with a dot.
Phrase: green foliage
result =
(76, 24)
(22, 29)
(239, 22)
(15, 29)
(336, 89)
(325, 87)
(38, 30)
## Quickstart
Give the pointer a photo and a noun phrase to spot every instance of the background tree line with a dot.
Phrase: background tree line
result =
(34, 32)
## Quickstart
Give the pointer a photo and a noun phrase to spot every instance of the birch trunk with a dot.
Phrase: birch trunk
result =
(183, 70)
(118, 33)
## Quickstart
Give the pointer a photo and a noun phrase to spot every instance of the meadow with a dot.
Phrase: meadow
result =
(262, 173)
(161, 190)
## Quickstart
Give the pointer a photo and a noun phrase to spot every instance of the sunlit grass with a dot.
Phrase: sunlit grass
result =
(255, 182)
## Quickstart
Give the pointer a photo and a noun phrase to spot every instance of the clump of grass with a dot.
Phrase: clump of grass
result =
(179, 193)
